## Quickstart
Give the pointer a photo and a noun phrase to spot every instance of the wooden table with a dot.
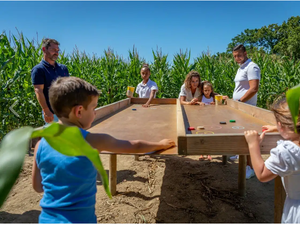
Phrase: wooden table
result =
(166, 118)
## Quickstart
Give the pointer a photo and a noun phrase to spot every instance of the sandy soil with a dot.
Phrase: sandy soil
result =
(161, 189)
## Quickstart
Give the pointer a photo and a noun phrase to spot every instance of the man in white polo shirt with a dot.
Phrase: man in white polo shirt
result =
(246, 87)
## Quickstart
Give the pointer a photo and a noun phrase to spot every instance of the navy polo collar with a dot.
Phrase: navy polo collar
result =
(48, 64)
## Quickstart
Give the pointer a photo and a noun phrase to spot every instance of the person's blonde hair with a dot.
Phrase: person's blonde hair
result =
(283, 114)
(188, 79)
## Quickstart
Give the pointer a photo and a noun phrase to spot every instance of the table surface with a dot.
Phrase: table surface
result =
(151, 124)
(160, 121)
(210, 117)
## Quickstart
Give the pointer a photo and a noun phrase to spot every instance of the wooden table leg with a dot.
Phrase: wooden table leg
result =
(242, 175)
(113, 174)
(279, 198)
(224, 159)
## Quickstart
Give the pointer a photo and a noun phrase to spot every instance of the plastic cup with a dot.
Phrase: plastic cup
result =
(218, 99)
(130, 91)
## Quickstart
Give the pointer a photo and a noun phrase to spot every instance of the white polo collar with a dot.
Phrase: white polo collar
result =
(245, 63)
(146, 83)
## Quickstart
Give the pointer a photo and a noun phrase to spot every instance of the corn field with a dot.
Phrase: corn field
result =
(112, 74)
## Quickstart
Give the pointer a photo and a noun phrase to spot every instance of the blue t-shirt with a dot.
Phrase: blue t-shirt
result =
(44, 73)
(69, 185)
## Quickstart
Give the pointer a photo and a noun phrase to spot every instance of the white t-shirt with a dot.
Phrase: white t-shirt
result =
(284, 161)
(188, 93)
(207, 101)
(144, 90)
(247, 71)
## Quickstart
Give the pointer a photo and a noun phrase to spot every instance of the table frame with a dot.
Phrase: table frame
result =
(195, 144)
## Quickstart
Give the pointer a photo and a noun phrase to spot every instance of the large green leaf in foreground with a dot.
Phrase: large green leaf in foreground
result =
(13, 148)
(293, 98)
(66, 140)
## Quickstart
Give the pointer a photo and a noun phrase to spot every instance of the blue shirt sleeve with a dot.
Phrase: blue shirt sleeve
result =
(37, 76)
(67, 71)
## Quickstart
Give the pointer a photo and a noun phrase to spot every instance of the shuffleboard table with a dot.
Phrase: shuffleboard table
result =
(167, 118)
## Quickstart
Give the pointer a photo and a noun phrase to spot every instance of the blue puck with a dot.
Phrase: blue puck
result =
(134, 109)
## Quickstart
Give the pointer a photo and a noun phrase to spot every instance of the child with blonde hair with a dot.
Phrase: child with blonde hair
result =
(284, 160)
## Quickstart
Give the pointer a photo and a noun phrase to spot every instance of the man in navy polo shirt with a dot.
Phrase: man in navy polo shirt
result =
(44, 73)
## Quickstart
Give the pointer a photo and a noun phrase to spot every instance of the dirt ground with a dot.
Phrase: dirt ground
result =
(161, 189)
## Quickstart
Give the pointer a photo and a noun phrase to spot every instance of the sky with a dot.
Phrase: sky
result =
(95, 26)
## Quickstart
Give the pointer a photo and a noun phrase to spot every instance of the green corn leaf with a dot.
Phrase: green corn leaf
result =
(293, 98)
(69, 141)
(66, 140)
(13, 149)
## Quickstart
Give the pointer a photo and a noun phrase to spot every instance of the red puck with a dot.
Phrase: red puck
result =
(191, 128)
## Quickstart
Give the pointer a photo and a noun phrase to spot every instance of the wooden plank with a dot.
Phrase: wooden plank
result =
(279, 199)
(113, 174)
(210, 117)
(226, 144)
(181, 138)
(242, 175)
(149, 124)
(256, 112)
(182, 146)
(154, 101)
(180, 122)
(111, 108)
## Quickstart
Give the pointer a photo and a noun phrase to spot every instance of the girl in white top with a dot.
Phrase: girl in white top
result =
(207, 96)
(191, 89)
(284, 160)
(147, 88)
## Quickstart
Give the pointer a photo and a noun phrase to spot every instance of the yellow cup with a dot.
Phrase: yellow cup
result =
(130, 91)
(218, 99)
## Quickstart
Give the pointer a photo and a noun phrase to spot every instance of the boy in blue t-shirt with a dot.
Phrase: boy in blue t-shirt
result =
(69, 183)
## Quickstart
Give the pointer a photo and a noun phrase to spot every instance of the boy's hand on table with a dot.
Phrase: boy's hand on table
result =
(166, 143)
